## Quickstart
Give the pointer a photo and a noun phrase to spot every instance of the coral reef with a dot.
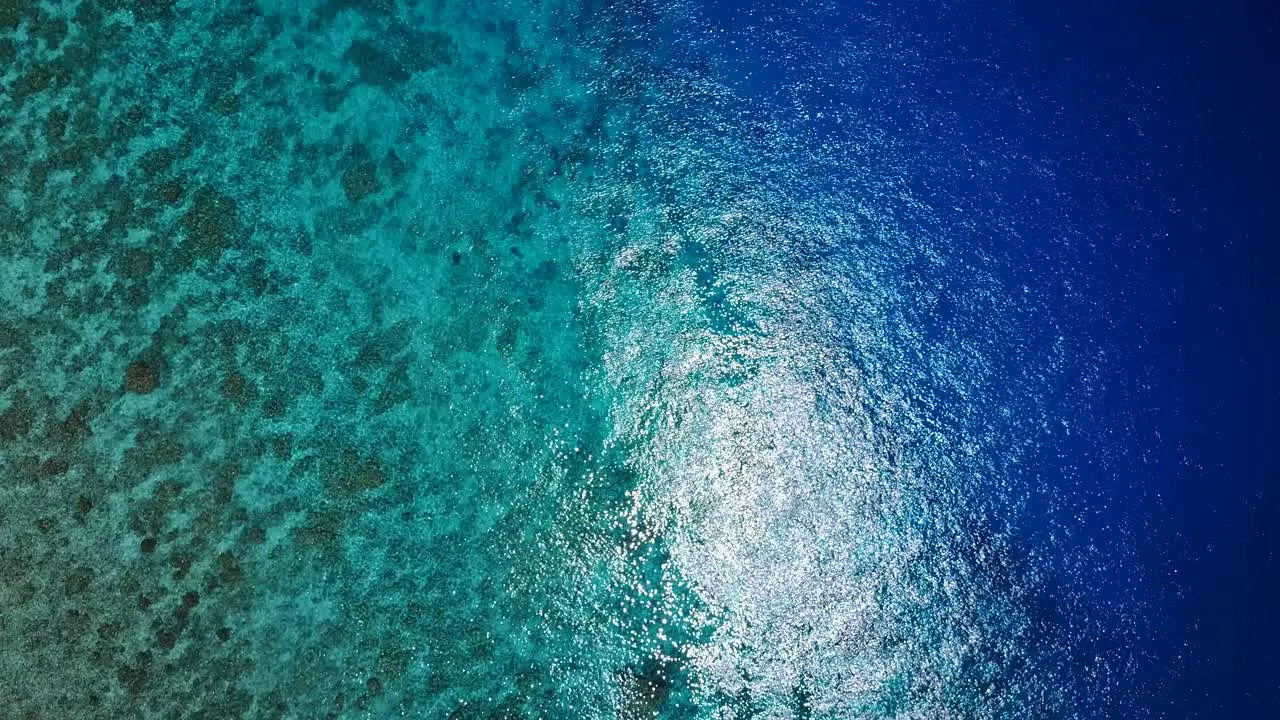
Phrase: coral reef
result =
(291, 361)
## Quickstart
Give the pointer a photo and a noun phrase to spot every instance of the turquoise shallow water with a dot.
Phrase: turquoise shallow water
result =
(395, 359)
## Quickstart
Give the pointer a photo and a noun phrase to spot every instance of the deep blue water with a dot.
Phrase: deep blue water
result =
(1159, 119)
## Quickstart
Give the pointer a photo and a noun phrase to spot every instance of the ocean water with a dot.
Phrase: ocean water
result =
(383, 358)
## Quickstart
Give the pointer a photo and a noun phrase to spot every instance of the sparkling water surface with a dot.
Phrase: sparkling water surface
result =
(383, 358)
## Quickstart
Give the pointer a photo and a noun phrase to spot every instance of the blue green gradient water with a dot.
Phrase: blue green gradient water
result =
(395, 359)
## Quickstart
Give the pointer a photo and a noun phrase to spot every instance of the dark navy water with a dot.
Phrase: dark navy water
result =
(1158, 211)
(1127, 183)
(638, 360)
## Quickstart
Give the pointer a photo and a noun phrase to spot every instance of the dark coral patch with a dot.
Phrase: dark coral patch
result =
(507, 337)
(11, 12)
(379, 348)
(546, 271)
(132, 679)
(229, 571)
(169, 192)
(275, 406)
(18, 419)
(52, 29)
(53, 467)
(167, 636)
(180, 563)
(239, 389)
(398, 55)
(226, 102)
(396, 166)
(224, 483)
(41, 77)
(135, 263)
(159, 160)
(282, 447)
(353, 473)
(108, 631)
(375, 65)
(212, 225)
(321, 527)
(141, 377)
(397, 389)
(78, 581)
(255, 535)
(76, 425)
(360, 179)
